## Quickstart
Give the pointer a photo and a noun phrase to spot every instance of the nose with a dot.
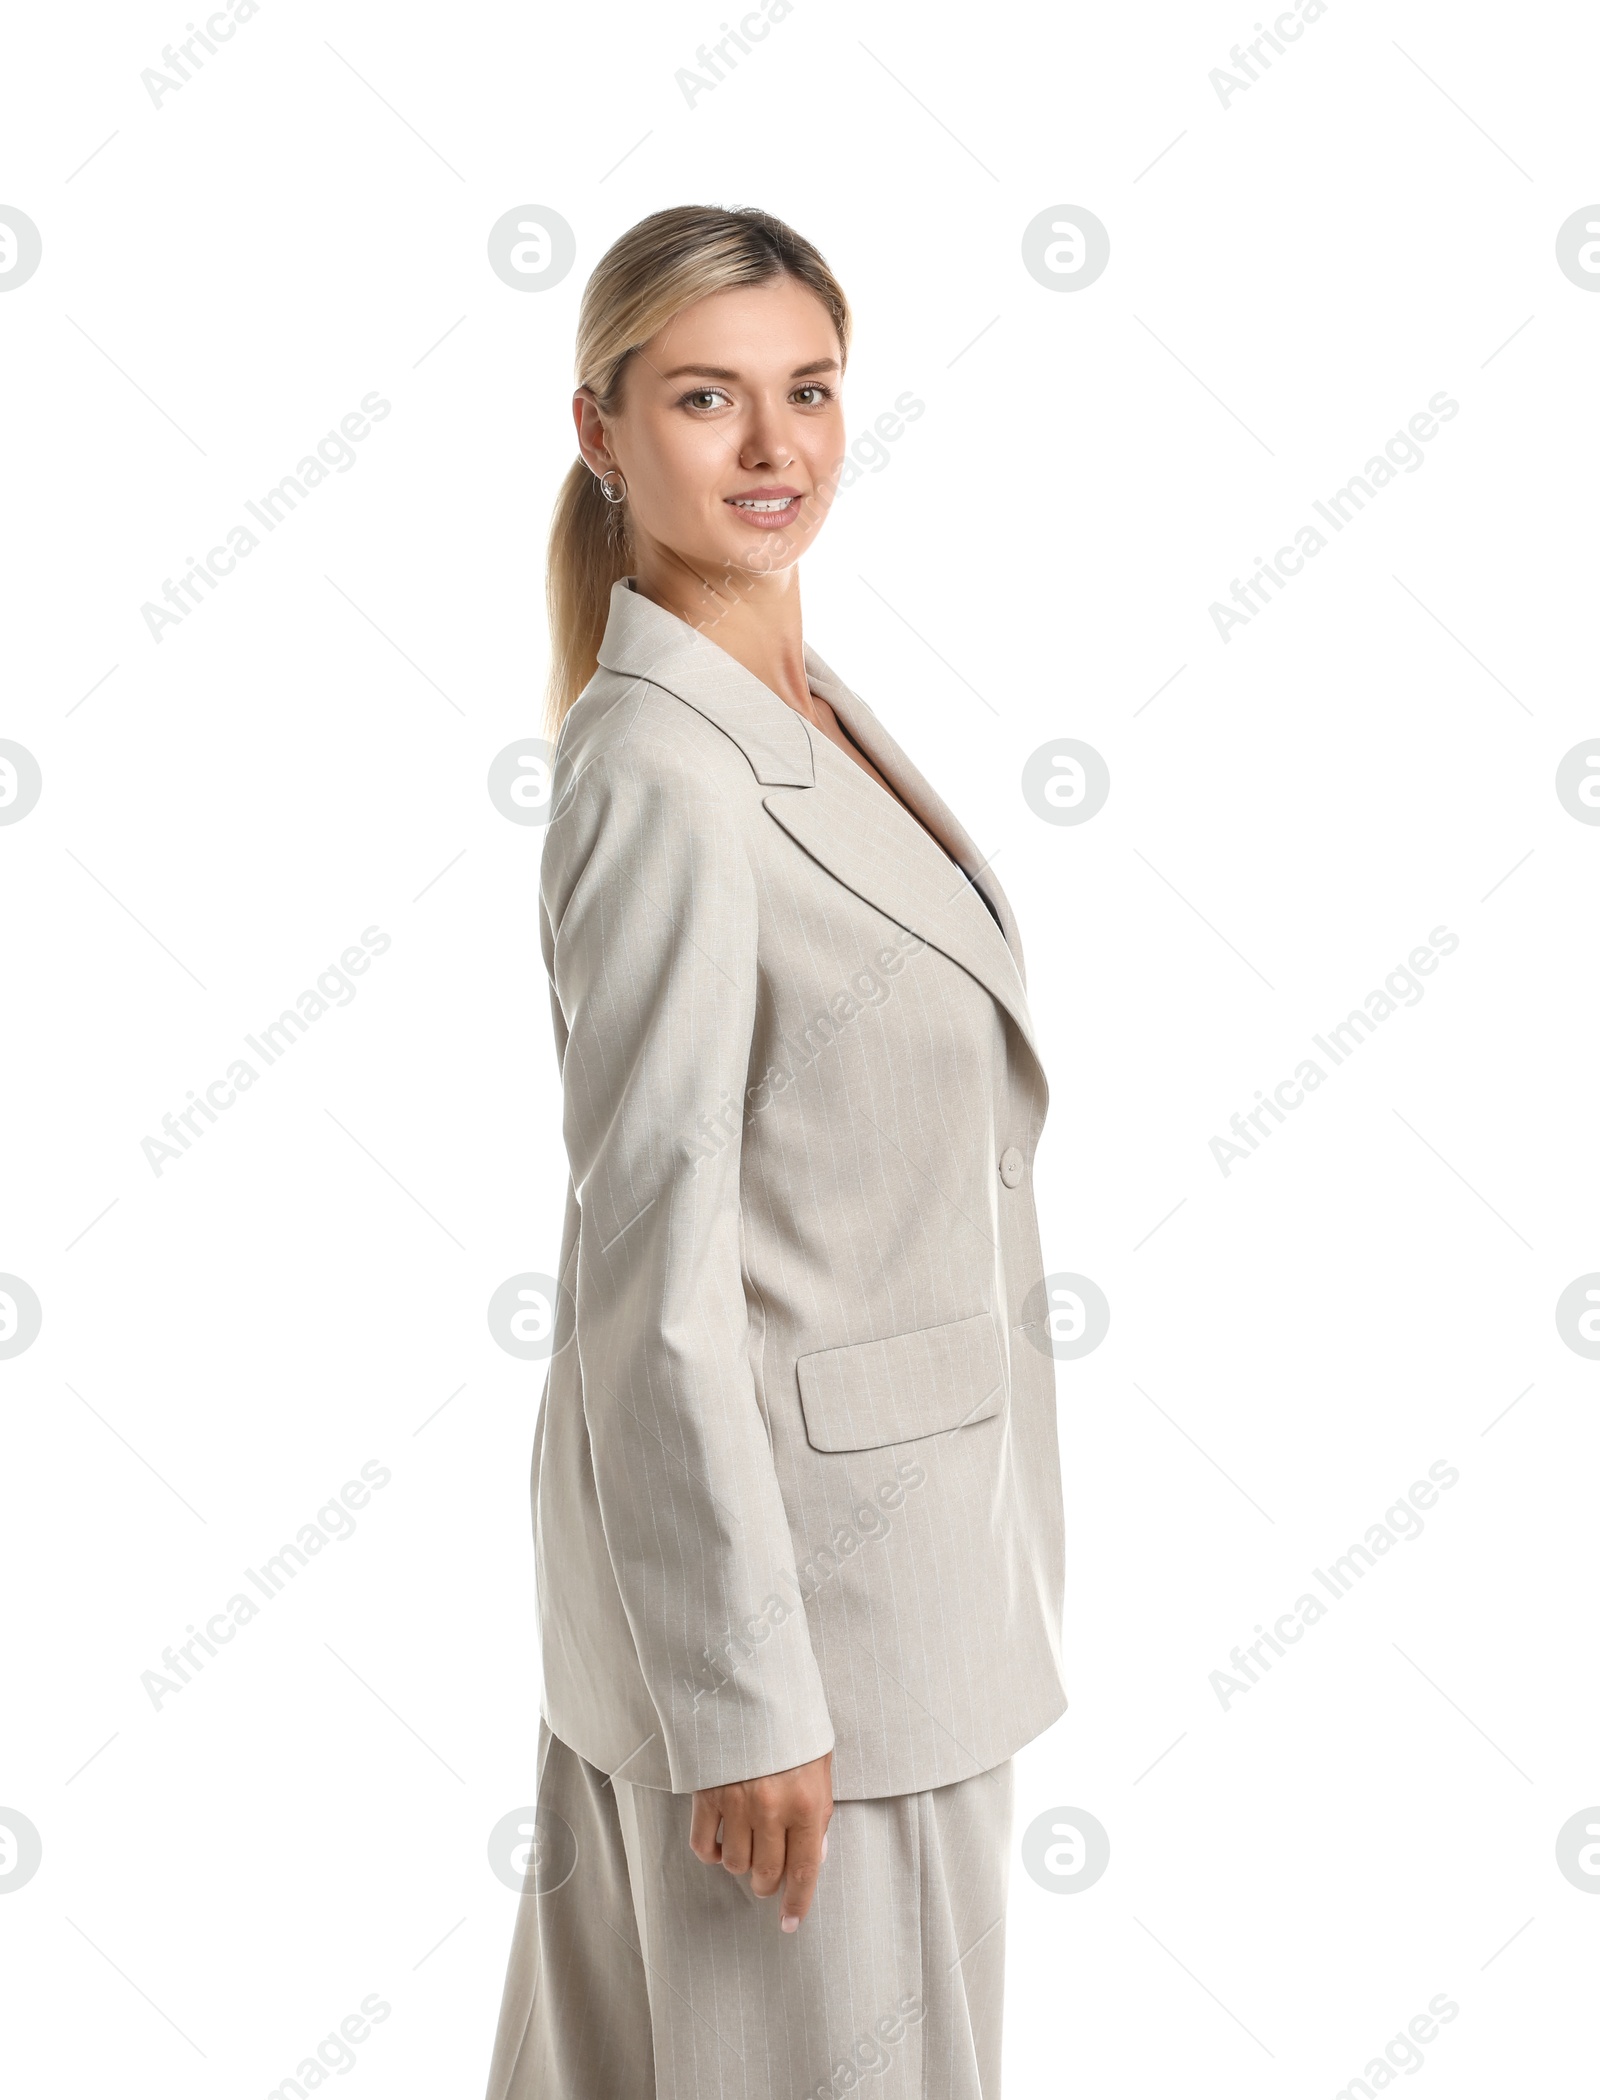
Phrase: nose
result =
(764, 444)
(756, 457)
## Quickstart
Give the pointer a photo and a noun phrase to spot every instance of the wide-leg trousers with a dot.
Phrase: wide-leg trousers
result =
(637, 1972)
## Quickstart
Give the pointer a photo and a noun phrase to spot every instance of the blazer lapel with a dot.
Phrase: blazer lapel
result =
(918, 888)
(643, 640)
(864, 726)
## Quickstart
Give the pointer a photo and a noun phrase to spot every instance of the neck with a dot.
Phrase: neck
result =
(755, 619)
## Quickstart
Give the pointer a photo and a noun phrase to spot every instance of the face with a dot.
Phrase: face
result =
(731, 432)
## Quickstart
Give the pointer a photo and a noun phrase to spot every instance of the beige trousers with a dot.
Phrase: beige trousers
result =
(639, 1973)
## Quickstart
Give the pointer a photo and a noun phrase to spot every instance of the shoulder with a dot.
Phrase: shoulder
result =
(644, 780)
(623, 729)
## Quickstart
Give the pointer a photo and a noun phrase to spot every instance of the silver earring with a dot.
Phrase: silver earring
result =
(613, 495)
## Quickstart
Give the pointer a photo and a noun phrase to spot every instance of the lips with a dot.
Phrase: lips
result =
(766, 508)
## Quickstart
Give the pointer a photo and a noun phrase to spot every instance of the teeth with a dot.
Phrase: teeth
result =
(763, 503)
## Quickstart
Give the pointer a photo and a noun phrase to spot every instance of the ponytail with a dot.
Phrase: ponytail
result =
(591, 548)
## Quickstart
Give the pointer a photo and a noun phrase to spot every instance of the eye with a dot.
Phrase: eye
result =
(701, 398)
(815, 386)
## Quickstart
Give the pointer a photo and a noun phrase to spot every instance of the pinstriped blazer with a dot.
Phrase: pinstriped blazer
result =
(795, 1477)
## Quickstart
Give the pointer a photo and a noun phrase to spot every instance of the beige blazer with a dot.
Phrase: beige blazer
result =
(795, 1475)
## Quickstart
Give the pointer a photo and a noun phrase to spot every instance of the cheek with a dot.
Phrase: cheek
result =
(826, 448)
(676, 472)
(825, 443)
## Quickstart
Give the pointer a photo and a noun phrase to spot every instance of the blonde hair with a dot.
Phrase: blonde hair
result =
(649, 274)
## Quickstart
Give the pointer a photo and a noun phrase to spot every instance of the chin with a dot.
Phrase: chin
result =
(771, 555)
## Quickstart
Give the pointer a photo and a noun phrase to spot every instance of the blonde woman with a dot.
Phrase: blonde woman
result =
(797, 1505)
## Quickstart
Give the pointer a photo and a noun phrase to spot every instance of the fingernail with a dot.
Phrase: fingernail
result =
(791, 1924)
(824, 1844)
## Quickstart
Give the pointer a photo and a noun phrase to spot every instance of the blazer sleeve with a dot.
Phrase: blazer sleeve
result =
(649, 901)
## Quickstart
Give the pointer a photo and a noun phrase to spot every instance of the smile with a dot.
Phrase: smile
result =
(768, 509)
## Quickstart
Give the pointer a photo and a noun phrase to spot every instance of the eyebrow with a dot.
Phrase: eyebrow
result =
(819, 364)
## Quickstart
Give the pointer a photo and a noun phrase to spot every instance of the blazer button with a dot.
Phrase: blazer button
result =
(1011, 1164)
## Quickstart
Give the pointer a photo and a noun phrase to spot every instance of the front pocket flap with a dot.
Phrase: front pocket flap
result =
(902, 1387)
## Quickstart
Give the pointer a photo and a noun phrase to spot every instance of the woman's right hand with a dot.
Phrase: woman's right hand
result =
(774, 1828)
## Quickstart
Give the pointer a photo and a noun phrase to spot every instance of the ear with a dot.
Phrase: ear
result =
(591, 431)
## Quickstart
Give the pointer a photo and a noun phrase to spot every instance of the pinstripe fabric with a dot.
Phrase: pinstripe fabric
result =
(796, 1482)
(647, 1975)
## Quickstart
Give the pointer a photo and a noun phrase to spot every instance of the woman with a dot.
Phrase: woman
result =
(797, 1503)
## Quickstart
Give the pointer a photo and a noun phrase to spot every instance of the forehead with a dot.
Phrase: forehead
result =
(752, 330)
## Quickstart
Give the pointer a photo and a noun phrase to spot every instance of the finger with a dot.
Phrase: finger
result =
(703, 1822)
(768, 1856)
(807, 1843)
(737, 1840)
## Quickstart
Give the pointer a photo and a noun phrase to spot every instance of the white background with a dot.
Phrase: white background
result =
(1292, 277)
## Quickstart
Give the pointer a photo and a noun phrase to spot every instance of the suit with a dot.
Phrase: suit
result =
(796, 1483)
